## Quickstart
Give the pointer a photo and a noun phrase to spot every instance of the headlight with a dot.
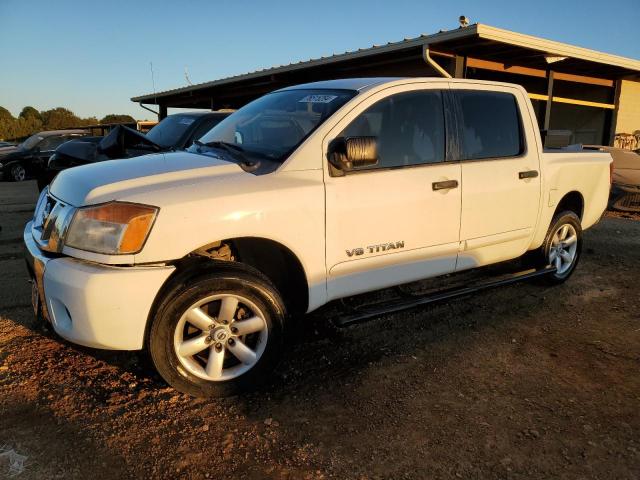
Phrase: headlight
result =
(114, 228)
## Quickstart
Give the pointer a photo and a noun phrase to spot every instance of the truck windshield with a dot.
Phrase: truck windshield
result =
(31, 142)
(275, 124)
(170, 130)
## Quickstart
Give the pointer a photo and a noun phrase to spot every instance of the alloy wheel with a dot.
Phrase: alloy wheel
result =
(564, 245)
(18, 173)
(220, 337)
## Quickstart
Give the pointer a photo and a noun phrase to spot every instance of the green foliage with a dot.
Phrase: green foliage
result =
(32, 121)
(30, 112)
(5, 115)
(115, 118)
(58, 118)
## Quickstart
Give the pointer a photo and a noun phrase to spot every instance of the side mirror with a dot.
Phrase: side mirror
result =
(351, 153)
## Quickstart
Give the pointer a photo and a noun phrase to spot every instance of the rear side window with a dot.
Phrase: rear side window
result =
(489, 125)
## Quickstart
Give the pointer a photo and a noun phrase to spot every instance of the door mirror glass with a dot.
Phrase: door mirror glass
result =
(351, 153)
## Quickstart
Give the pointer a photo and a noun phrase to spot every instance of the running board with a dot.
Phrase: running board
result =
(367, 312)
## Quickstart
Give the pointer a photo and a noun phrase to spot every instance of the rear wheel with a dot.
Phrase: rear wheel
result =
(218, 335)
(562, 247)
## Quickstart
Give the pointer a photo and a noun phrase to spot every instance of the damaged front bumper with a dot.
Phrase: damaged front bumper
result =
(91, 304)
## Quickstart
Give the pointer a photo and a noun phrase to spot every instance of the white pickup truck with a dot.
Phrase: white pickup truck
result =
(305, 195)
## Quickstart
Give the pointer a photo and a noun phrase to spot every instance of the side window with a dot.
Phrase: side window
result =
(51, 143)
(490, 125)
(409, 128)
(204, 127)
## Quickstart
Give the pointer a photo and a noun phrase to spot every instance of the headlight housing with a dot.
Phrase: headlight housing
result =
(114, 228)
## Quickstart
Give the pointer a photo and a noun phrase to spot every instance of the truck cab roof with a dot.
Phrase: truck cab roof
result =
(367, 83)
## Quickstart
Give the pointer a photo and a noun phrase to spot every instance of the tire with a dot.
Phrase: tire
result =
(556, 251)
(197, 345)
(17, 173)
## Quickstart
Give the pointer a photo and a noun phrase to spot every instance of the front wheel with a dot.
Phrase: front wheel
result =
(218, 335)
(562, 247)
(18, 173)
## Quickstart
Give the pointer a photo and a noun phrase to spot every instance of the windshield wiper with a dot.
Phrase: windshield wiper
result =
(233, 150)
(223, 145)
(231, 147)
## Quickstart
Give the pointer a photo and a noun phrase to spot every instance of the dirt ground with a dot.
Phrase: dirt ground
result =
(521, 382)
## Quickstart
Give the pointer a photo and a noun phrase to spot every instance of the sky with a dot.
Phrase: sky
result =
(92, 57)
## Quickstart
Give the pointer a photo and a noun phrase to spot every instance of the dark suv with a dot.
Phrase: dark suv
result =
(30, 158)
(175, 132)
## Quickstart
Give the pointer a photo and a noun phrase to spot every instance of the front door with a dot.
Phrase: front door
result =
(399, 220)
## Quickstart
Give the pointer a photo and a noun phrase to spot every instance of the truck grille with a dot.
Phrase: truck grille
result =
(50, 222)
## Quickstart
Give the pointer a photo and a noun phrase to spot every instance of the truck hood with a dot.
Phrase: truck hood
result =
(116, 179)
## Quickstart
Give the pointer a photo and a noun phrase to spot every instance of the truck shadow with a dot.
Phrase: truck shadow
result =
(319, 355)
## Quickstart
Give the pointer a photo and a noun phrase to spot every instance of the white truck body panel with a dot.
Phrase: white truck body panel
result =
(492, 216)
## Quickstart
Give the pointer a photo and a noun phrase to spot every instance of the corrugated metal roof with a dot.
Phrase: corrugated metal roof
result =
(486, 32)
(336, 57)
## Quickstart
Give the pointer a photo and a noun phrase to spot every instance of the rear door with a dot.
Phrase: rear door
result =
(500, 174)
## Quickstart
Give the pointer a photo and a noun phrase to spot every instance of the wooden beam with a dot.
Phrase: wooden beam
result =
(571, 101)
(442, 54)
(501, 67)
(584, 103)
(536, 72)
(568, 77)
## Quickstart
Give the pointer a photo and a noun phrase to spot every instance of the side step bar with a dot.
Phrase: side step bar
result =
(367, 312)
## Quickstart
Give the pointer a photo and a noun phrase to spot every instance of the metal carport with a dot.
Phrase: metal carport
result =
(572, 87)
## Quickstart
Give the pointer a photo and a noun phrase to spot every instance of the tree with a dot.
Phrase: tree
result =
(58, 118)
(5, 114)
(32, 121)
(7, 124)
(30, 112)
(116, 118)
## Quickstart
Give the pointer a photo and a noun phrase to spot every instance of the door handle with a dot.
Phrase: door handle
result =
(528, 174)
(445, 185)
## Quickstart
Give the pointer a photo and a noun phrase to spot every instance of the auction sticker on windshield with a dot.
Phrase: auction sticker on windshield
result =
(318, 99)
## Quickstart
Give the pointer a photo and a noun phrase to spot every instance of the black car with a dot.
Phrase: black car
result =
(30, 158)
(175, 132)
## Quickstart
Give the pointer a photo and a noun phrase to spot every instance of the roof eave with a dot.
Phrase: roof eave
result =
(480, 30)
(391, 47)
(556, 48)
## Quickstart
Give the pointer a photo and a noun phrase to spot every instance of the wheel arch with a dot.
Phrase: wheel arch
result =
(280, 264)
(572, 201)
(8, 168)
(269, 257)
